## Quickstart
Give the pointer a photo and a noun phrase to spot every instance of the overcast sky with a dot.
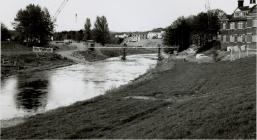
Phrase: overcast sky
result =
(122, 15)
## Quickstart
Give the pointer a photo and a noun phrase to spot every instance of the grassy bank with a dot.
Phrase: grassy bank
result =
(16, 58)
(187, 101)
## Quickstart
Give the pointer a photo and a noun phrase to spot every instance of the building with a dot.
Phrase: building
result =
(155, 35)
(240, 28)
(138, 36)
(121, 36)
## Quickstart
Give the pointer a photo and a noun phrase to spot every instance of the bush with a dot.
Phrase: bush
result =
(210, 45)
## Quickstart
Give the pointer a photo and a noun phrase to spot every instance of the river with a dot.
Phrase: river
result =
(32, 93)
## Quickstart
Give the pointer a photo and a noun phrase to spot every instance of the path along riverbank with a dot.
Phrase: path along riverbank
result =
(184, 100)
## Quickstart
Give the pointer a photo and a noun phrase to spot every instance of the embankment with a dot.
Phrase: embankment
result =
(24, 63)
(17, 58)
(189, 100)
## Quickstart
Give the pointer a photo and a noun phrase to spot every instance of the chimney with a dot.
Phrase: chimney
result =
(252, 1)
(240, 3)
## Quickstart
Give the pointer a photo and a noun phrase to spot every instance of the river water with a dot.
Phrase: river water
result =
(31, 93)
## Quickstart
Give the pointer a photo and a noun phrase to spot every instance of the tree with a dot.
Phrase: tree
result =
(206, 25)
(80, 35)
(198, 29)
(34, 25)
(87, 27)
(178, 34)
(101, 30)
(5, 33)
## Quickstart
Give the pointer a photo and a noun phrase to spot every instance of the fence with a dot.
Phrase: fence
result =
(42, 50)
(238, 49)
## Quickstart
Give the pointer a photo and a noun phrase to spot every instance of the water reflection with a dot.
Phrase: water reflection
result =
(36, 92)
(32, 95)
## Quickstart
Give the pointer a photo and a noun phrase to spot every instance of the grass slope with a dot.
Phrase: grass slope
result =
(190, 101)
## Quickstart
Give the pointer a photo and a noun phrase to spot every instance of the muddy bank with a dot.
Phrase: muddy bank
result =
(187, 100)
(90, 56)
(29, 62)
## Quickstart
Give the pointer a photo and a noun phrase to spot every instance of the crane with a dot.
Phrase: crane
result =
(59, 10)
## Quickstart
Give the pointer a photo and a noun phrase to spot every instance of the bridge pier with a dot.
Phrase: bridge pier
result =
(124, 52)
(159, 53)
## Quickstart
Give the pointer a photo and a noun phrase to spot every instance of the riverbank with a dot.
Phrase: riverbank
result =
(104, 53)
(30, 62)
(184, 100)
(17, 58)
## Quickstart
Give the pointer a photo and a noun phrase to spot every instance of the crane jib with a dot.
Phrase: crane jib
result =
(59, 10)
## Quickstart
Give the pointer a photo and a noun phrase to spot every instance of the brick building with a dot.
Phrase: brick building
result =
(240, 28)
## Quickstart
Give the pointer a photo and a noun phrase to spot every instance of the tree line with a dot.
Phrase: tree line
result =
(5, 33)
(100, 33)
(34, 26)
(198, 29)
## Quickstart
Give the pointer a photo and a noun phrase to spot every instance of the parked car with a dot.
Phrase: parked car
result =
(201, 56)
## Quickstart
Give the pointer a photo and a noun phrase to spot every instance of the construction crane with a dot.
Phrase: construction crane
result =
(76, 17)
(59, 10)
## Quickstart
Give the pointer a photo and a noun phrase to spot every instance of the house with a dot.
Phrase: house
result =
(121, 36)
(137, 36)
(155, 35)
(240, 28)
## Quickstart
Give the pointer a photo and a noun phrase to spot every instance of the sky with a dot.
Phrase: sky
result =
(122, 15)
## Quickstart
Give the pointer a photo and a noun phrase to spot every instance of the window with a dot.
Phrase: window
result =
(240, 14)
(219, 37)
(224, 26)
(232, 38)
(249, 38)
(240, 25)
(243, 14)
(237, 14)
(224, 38)
(252, 1)
(254, 38)
(255, 23)
(240, 38)
(232, 25)
(243, 38)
